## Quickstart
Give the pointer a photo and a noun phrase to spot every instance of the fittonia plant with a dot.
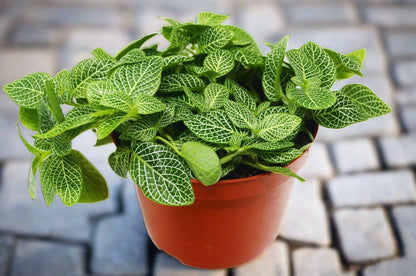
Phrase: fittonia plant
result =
(207, 105)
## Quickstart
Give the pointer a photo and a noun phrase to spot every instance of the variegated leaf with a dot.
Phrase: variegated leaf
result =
(119, 161)
(277, 127)
(215, 94)
(177, 82)
(220, 62)
(282, 156)
(211, 19)
(161, 174)
(214, 38)
(303, 65)
(240, 115)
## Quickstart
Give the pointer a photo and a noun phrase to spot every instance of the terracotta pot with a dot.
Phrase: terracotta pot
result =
(230, 223)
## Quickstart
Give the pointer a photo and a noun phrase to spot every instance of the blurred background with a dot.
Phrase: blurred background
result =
(355, 215)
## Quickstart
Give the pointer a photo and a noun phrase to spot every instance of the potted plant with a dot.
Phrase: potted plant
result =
(210, 130)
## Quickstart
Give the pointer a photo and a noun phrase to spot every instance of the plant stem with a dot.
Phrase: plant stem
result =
(168, 144)
(229, 157)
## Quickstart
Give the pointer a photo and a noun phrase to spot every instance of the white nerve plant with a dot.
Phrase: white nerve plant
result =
(208, 107)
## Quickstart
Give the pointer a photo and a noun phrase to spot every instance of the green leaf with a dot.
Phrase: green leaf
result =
(28, 91)
(146, 104)
(101, 54)
(240, 115)
(63, 80)
(213, 39)
(54, 101)
(323, 61)
(110, 124)
(273, 110)
(241, 37)
(226, 169)
(86, 71)
(197, 100)
(203, 162)
(96, 90)
(30, 148)
(120, 160)
(278, 170)
(32, 173)
(78, 116)
(177, 82)
(220, 62)
(63, 175)
(135, 44)
(170, 61)
(343, 113)
(132, 57)
(277, 127)
(313, 97)
(272, 70)
(213, 126)
(118, 100)
(241, 94)
(143, 130)
(215, 94)
(161, 174)
(139, 78)
(94, 186)
(59, 146)
(366, 100)
(211, 19)
(247, 57)
(29, 118)
(262, 107)
(346, 66)
(303, 65)
(268, 146)
(282, 156)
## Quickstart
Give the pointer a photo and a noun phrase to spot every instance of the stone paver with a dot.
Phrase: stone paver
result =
(19, 214)
(365, 235)
(405, 72)
(306, 219)
(47, 258)
(367, 189)
(318, 164)
(6, 246)
(113, 255)
(315, 13)
(317, 262)
(405, 218)
(401, 44)
(167, 265)
(355, 155)
(406, 96)
(273, 262)
(390, 16)
(397, 267)
(399, 151)
(262, 20)
(409, 118)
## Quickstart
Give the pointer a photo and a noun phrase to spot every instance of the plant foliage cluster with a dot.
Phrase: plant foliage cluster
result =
(207, 105)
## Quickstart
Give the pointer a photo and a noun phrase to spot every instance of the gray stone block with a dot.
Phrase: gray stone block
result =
(33, 34)
(318, 164)
(318, 13)
(405, 218)
(6, 247)
(47, 258)
(365, 235)
(20, 215)
(262, 20)
(406, 96)
(405, 72)
(166, 265)
(317, 262)
(355, 156)
(306, 220)
(11, 147)
(390, 16)
(396, 267)
(273, 262)
(408, 115)
(368, 189)
(399, 151)
(401, 44)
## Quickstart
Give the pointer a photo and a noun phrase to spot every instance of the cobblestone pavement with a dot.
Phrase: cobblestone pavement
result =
(356, 214)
